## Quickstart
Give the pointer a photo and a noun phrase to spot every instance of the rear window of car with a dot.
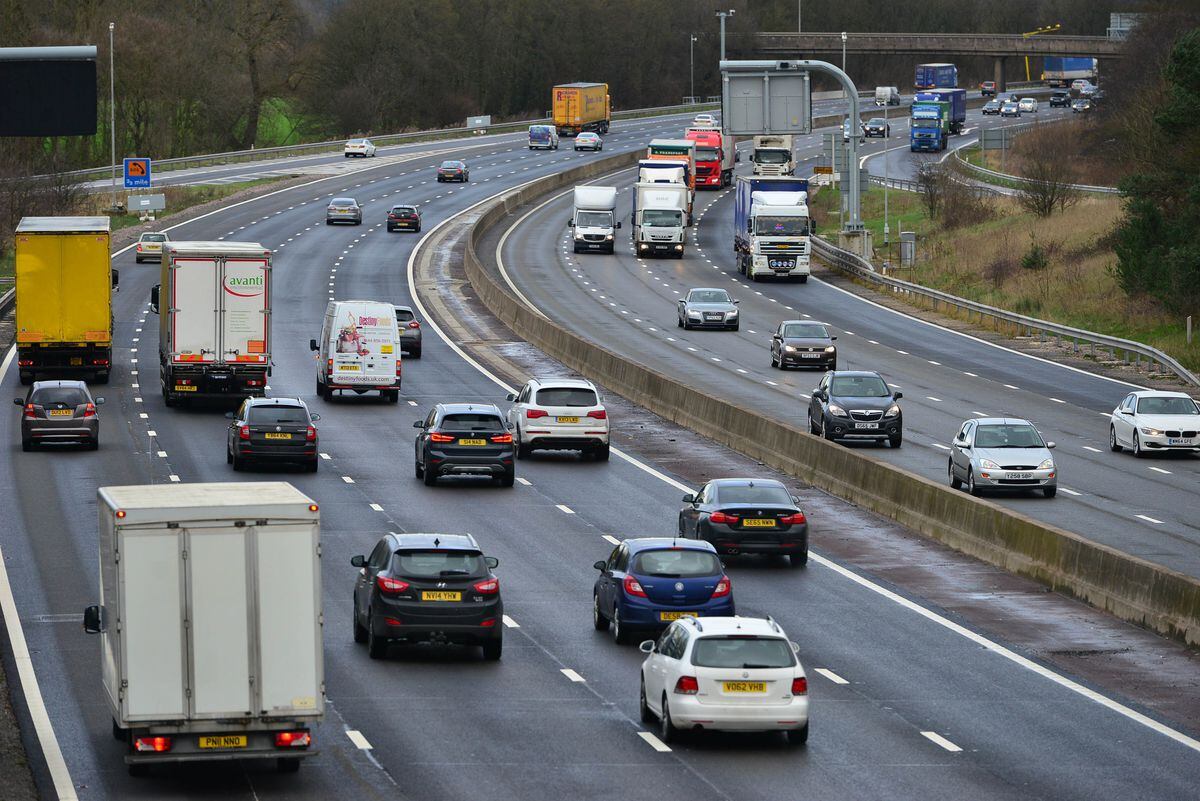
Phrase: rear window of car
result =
(677, 563)
(451, 165)
(154, 237)
(744, 493)
(741, 652)
(434, 564)
(567, 396)
(404, 211)
(343, 201)
(58, 396)
(275, 415)
(472, 421)
(404, 315)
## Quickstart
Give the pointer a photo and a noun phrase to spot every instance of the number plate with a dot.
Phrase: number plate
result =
(1180, 441)
(440, 595)
(744, 686)
(223, 741)
(183, 388)
(758, 522)
(568, 419)
(866, 425)
(76, 361)
(274, 435)
(475, 442)
(1018, 475)
(60, 412)
(675, 615)
(347, 368)
(810, 355)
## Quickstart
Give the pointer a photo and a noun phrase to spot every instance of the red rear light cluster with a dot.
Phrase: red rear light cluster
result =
(502, 438)
(724, 586)
(311, 436)
(89, 410)
(397, 367)
(487, 586)
(29, 412)
(390, 586)
(800, 686)
(184, 382)
(24, 362)
(598, 414)
(243, 432)
(687, 685)
(436, 437)
(254, 382)
(100, 362)
(633, 587)
(722, 517)
(533, 414)
(156, 744)
(413, 324)
(794, 520)
(293, 739)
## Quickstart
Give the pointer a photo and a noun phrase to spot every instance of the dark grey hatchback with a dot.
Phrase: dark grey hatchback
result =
(856, 405)
(803, 343)
(464, 439)
(59, 411)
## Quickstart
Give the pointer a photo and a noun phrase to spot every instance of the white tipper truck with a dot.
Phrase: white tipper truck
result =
(771, 227)
(772, 155)
(659, 219)
(210, 621)
(592, 224)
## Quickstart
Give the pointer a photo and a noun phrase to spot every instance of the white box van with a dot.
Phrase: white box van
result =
(359, 349)
(887, 96)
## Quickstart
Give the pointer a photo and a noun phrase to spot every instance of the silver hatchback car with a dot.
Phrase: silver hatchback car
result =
(59, 411)
(1002, 453)
(343, 209)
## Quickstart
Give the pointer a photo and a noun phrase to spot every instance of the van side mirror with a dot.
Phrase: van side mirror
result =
(618, 223)
(491, 561)
(93, 620)
(358, 561)
(570, 223)
(154, 291)
(312, 344)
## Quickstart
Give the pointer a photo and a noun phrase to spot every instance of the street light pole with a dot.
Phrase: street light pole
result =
(692, 58)
(843, 55)
(887, 135)
(799, 16)
(112, 113)
(723, 15)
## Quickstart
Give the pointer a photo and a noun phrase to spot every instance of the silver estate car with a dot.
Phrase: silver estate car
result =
(1002, 453)
(343, 209)
(59, 411)
(708, 308)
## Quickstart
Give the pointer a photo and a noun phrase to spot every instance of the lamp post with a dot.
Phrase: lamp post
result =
(723, 15)
(1047, 29)
(799, 16)
(887, 135)
(843, 55)
(692, 58)
(112, 114)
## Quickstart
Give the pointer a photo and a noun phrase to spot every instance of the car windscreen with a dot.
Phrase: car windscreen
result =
(567, 396)
(743, 652)
(757, 494)
(58, 396)
(805, 331)
(343, 201)
(765, 225)
(772, 156)
(154, 237)
(677, 563)
(708, 296)
(276, 415)
(434, 564)
(404, 315)
(1008, 436)
(472, 421)
(859, 386)
(659, 218)
(876, 121)
(593, 219)
(1166, 406)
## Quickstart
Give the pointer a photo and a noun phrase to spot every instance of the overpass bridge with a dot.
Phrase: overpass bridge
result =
(937, 46)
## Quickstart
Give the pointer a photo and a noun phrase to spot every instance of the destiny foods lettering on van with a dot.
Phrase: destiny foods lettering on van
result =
(359, 333)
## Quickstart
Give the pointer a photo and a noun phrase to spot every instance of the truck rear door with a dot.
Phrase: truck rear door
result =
(245, 319)
(291, 672)
(193, 310)
(221, 641)
(86, 289)
(153, 651)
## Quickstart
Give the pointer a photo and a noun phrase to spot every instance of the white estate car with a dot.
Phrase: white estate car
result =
(724, 674)
(1028, 105)
(1155, 421)
(559, 414)
(359, 147)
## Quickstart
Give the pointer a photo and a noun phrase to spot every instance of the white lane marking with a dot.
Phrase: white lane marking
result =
(347, 479)
(565, 509)
(1056, 400)
(904, 352)
(572, 675)
(655, 743)
(935, 400)
(173, 477)
(376, 507)
(1090, 448)
(36, 705)
(143, 415)
(325, 456)
(611, 539)
(1160, 470)
(979, 414)
(357, 738)
(523, 482)
(772, 383)
(508, 621)
(934, 737)
(940, 445)
(1149, 519)
(829, 674)
(1069, 491)
(1010, 386)
(162, 454)
(931, 361)
(412, 403)
(973, 375)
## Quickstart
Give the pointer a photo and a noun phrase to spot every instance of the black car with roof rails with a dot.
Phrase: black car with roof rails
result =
(273, 431)
(427, 588)
(464, 439)
(747, 515)
(856, 405)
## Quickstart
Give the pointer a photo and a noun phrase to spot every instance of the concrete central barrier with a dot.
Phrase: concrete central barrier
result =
(1130, 588)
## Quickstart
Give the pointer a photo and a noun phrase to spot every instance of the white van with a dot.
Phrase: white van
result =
(887, 96)
(359, 349)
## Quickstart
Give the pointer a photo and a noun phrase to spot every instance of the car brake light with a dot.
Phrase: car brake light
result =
(311, 436)
(329, 366)
(29, 412)
(794, 520)
(436, 437)
(243, 432)
(292, 739)
(413, 324)
(390, 586)
(89, 410)
(632, 587)
(723, 587)
(722, 517)
(800, 686)
(533, 414)
(598, 414)
(487, 586)
(139, 247)
(687, 685)
(502, 438)
(157, 744)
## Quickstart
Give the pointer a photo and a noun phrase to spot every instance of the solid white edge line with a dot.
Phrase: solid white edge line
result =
(358, 739)
(51, 750)
(938, 739)
(979, 639)
(655, 743)
(610, 539)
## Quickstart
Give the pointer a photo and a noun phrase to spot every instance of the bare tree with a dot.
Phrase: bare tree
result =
(1046, 166)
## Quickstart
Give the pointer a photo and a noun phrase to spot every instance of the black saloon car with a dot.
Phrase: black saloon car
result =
(453, 171)
(856, 405)
(803, 343)
(274, 431)
(747, 515)
(464, 439)
(407, 218)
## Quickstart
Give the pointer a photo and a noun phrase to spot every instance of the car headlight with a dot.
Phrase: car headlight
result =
(831, 349)
(892, 411)
(609, 237)
(733, 313)
(837, 411)
(1046, 465)
(790, 348)
(578, 236)
(679, 247)
(693, 313)
(988, 464)
(1152, 432)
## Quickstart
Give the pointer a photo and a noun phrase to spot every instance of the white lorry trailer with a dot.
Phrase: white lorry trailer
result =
(210, 621)
(659, 219)
(772, 155)
(592, 224)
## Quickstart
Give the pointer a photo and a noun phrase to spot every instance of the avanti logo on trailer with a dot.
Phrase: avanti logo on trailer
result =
(245, 287)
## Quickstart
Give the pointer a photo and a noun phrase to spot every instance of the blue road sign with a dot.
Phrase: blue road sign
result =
(137, 173)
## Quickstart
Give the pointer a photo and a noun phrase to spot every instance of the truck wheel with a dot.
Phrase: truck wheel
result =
(287, 764)
(119, 734)
(415, 353)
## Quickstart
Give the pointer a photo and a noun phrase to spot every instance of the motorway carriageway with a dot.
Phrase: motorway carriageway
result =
(906, 703)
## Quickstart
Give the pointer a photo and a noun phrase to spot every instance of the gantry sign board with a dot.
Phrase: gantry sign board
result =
(765, 97)
(996, 138)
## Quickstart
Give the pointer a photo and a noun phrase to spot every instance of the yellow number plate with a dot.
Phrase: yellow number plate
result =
(472, 442)
(273, 435)
(183, 388)
(348, 368)
(744, 686)
(758, 522)
(61, 412)
(223, 741)
(440, 595)
(76, 361)
(568, 419)
(674, 615)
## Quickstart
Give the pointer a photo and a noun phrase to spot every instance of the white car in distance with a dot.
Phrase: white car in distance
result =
(705, 121)
(724, 674)
(1027, 105)
(363, 148)
(1152, 420)
(559, 414)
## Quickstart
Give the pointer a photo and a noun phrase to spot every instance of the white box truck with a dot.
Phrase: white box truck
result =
(214, 308)
(592, 221)
(359, 349)
(772, 155)
(659, 219)
(210, 621)
(887, 96)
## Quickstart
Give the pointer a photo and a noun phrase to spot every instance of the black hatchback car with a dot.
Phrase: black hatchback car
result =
(1060, 100)
(803, 343)
(428, 588)
(453, 171)
(272, 430)
(464, 439)
(404, 217)
(747, 515)
(856, 405)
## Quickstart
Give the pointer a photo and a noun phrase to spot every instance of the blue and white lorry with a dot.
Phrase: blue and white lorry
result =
(772, 227)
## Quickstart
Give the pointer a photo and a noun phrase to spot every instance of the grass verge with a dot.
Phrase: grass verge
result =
(179, 198)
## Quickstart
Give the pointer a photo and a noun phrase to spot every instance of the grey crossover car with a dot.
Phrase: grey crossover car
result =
(410, 331)
(343, 209)
(1002, 453)
(272, 431)
(856, 405)
(59, 411)
(803, 343)
(707, 308)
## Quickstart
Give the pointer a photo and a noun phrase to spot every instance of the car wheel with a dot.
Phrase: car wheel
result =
(971, 488)
(798, 559)
(524, 451)
(825, 431)
(774, 361)
(508, 478)
(236, 461)
(360, 633)
(678, 322)
(955, 482)
(620, 633)
(26, 445)
(93, 444)
(428, 474)
(681, 529)
(1050, 492)
(599, 621)
(798, 736)
(1137, 446)
(376, 645)
(314, 465)
(601, 454)
(1113, 445)
(644, 710)
(897, 440)
(666, 729)
(734, 327)
(812, 426)
(492, 649)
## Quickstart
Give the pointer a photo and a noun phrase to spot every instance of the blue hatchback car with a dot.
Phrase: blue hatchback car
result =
(647, 582)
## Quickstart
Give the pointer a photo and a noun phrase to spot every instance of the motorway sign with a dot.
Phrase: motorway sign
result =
(137, 173)
(147, 202)
(996, 138)
(762, 98)
(823, 170)
(479, 122)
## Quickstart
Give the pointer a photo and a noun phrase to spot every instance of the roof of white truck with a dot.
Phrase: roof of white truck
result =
(63, 225)
(149, 503)
(225, 248)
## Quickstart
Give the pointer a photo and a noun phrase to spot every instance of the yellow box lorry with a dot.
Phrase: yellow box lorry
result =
(64, 283)
(581, 107)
